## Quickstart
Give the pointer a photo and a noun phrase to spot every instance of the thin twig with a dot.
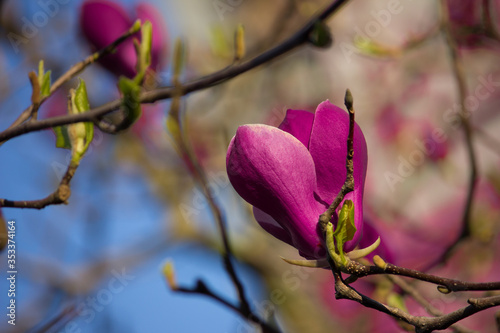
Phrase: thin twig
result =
(201, 178)
(421, 324)
(59, 196)
(348, 186)
(299, 38)
(68, 313)
(199, 175)
(202, 289)
(458, 73)
(488, 22)
(72, 72)
(411, 291)
(445, 284)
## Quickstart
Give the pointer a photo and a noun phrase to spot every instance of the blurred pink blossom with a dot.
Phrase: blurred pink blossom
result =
(103, 21)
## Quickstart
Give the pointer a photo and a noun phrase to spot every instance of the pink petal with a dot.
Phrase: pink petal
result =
(435, 148)
(273, 171)
(271, 226)
(148, 12)
(102, 22)
(389, 123)
(328, 148)
(464, 12)
(299, 124)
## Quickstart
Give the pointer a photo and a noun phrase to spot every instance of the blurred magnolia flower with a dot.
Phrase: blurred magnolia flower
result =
(291, 174)
(436, 146)
(410, 133)
(466, 13)
(389, 123)
(103, 21)
(472, 22)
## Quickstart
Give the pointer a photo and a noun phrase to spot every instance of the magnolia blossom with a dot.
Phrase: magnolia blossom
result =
(474, 23)
(102, 22)
(464, 12)
(291, 174)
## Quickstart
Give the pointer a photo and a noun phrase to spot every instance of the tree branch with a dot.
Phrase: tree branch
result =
(299, 38)
(59, 196)
(421, 324)
(446, 285)
(411, 291)
(202, 289)
(464, 114)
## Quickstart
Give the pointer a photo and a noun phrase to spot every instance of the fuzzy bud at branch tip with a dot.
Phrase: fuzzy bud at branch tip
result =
(169, 273)
(136, 26)
(348, 100)
(239, 43)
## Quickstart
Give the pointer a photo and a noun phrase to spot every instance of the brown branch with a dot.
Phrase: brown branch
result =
(458, 73)
(299, 38)
(488, 21)
(411, 291)
(421, 324)
(59, 196)
(227, 253)
(72, 72)
(200, 177)
(348, 186)
(64, 316)
(202, 289)
(446, 285)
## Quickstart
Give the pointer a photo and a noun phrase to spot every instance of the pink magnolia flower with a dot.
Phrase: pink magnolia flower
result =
(292, 173)
(474, 22)
(103, 21)
(437, 147)
(389, 123)
(464, 12)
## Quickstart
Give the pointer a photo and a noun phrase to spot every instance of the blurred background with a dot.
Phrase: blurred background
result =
(94, 265)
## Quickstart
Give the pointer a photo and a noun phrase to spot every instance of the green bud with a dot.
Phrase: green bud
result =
(320, 36)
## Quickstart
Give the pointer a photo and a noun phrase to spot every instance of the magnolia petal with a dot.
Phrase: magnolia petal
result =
(102, 22)
(328, 148)
(299, 124)
(274, 171)
(320, 263)
(271, 226)
(147, 12)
